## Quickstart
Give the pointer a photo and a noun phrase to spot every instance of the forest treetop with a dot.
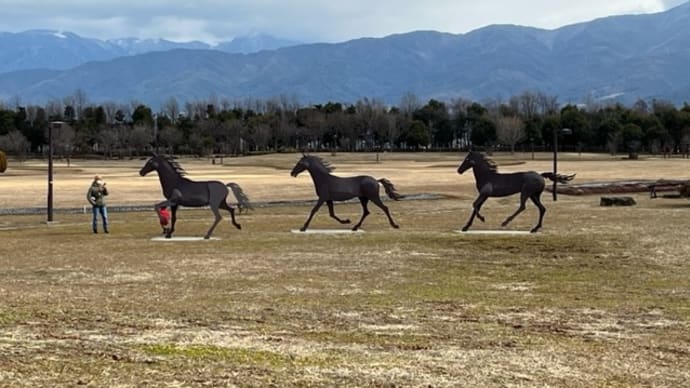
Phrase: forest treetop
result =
(210, 126)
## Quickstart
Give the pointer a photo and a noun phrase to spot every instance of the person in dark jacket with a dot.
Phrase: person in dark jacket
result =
(96, 197)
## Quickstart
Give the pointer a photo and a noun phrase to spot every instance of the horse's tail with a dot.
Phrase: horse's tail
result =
(242, 199)
(390, 190)
(558, 177)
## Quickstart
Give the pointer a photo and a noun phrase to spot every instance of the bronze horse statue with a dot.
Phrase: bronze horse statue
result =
(181, 191)
(491, 183)
(331, 188)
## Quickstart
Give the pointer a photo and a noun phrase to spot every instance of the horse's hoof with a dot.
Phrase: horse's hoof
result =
(534, 230)
(302, 229)
(207, 237)
(168, 236)
(345, 221)
(355, 228)
(396, 226)
(238, 226)
(464, 229)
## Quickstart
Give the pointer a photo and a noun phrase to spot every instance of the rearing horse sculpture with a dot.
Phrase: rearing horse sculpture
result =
(491, 183)
(331, 188)
(181, 191)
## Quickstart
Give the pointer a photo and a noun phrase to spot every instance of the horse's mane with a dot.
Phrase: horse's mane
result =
(493, 167)
(175, 165)
(324, 163)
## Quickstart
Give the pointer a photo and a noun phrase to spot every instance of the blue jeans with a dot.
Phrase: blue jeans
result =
(104, 216)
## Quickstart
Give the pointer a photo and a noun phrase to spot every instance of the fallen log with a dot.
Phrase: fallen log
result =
(625, 186)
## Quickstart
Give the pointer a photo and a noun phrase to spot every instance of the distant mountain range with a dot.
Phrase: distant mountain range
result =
(621, 58)
(55, 50)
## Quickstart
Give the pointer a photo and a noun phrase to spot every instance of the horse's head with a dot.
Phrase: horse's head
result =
(151, 165)
(468, 163)
(301, 165)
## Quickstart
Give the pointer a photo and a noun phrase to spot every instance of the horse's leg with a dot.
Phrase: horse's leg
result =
(311, 215)
(542, 210)
(480, 217)
(365, 212)
(216, 213)
(172, 201)
(331, 211)
(475, 210)
(173, 218)
(377, 201)
(523, 199)
(224, 205)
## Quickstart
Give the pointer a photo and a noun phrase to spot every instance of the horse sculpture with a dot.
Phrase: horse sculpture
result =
(491, 183)
(181, 191)
(331, 188)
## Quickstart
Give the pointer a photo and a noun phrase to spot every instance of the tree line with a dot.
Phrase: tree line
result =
(211, 127)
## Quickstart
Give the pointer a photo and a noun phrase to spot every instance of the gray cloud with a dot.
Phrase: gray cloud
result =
(672, 3)
(304, 20)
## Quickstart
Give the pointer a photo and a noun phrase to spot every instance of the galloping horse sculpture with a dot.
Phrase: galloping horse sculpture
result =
(331, 188)
(491, 183)
(181, 191)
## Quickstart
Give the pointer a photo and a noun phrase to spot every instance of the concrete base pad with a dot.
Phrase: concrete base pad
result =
(327, 231)
(496, 232)
(182, 238)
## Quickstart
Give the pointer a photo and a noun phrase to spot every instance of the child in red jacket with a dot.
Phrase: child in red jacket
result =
(164, 218)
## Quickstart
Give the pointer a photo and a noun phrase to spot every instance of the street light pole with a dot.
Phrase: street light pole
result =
(54, 124)
(555, 157)
(555, 161)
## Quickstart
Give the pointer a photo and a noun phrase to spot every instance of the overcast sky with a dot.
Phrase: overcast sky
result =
(301, 20)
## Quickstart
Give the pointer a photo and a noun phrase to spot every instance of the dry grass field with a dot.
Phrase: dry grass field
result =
(600, 297)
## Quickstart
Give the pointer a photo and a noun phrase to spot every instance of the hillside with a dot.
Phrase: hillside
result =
(623, 58)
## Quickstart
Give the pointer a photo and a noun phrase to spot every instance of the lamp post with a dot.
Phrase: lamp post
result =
(556, 131)
(53, 125)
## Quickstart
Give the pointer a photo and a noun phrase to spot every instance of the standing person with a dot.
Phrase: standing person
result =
(96, 197)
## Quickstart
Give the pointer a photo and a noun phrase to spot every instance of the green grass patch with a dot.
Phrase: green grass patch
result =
(241, 356)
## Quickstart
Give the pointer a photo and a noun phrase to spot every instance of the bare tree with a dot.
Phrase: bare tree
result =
(547, 105)
(171, 109)
(369, 114)
(510, 130)
(409, 103)
(196, 110)
(140, 137)
(16, 143)
(529, 105)
(110, 108)
(613, 141)
(31, 113)
(80, 102)
(109, 139)
(392, 130)
(314, 121)
(171, 137)
(458, 106)
(63, 141)
(54, 109)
